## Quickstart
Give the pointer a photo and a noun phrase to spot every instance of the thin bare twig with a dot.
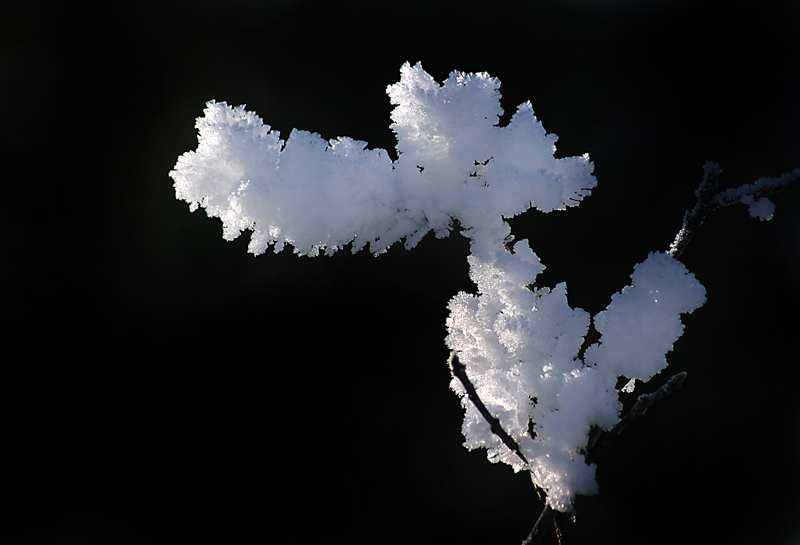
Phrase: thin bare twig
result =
(559, 525)
(539, 530)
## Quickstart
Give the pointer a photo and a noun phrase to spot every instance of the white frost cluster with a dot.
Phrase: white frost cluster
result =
(762, 208)
(520, 343)
(521, 349)
(454, 162)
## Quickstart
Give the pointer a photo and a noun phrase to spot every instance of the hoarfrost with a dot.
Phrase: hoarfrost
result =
(454, 163)
(629, 387)
(643, 321)
(520, 342)
(762, 208)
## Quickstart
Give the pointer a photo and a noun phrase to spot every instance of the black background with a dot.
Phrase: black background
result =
(162, 385)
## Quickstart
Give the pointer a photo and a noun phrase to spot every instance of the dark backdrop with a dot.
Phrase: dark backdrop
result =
(162, 385)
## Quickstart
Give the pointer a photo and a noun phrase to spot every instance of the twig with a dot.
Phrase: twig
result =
(639, 408)
(694, 219)
(596, 444)
(543, 523)
(561, 529)
(708, 201)
(548, 517)
(763, 187)
(460, 372)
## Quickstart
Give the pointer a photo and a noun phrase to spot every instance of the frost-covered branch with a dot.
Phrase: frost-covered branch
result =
(596, 443)
(754, 195)
(643, 402)
(533, 398)
(460, 372)
(548, 516)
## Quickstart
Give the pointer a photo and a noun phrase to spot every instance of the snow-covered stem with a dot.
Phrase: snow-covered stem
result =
(754, 195)
(548, 516)
(460, 372)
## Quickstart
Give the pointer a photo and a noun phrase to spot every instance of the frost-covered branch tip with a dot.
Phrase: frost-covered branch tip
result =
(708, 200)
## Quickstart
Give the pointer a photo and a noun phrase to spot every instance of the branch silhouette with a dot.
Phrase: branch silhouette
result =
(708, 200)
